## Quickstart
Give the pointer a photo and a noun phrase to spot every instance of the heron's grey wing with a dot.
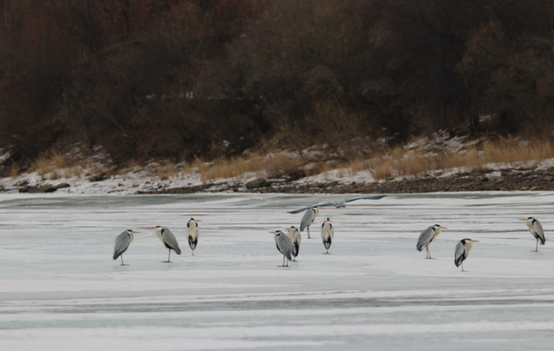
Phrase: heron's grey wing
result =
(171, 241)
(298, 237)
(425, 238)
(376, 197)
(122, 242)
(325, 204)
(459, 254)
(288, 246)
(537, 227)
(307, 220)
(300, 210)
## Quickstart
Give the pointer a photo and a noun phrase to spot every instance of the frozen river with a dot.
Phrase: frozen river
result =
(61, 290)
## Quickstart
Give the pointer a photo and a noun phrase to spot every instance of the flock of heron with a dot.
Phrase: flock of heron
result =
(289, 244)
(464, 246)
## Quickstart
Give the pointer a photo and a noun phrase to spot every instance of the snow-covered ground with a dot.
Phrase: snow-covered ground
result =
(60, 289)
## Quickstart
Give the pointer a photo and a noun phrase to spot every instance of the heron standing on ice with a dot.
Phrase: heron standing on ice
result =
(296, 238)
(427, 236)
(284, 246)
(462, 251)
(308, 219)
(192, 233)
(535, 228)
(327, 233)
(168, 240)
(122, 242)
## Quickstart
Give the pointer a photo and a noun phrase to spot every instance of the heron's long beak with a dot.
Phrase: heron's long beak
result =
(474, 241)
(272, 232)
(197, 220)
(288, 228)
(442, 227)
(132, 231)
(523, 219)
(152, 228)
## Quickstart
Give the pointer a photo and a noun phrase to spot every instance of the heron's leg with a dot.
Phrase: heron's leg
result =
(537, 248)
(308, 232)
(122, 261)
(168, 257)
(193, 252)
(429, 252)
(463, 267)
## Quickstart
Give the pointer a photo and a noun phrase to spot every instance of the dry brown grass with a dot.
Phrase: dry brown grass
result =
(394, 162)
(53, 165)
(47, 163)
(401, 162)
(233, 168)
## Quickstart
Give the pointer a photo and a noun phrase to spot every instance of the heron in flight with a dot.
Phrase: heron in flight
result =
(327, 233)
(462, 251)
(168, 240)
(284, 246)
(192, 233)
(122, 242)
(338, 203)
(536, 230)
(296, 238)
(342, 203)
(427, 236)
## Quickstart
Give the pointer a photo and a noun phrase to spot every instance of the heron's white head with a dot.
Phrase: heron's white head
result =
(129, 231)
(438, 227)
(157, 228)
(277, 233)
(528, 221)
(194, 222)
(327, 220)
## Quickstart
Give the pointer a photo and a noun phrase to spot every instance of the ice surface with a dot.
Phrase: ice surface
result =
(60, 289)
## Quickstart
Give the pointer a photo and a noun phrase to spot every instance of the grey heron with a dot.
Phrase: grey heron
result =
(192, 233)
(296, 238)
(342, 203)
(122, 242)
(327, 233)
(308, 219)
(284, 246)
(168, 240)
(536, 230)
(462, 251)
(427, 236)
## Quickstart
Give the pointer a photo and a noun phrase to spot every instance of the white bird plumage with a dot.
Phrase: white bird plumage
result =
(462, 251)
(427, 236)
(168, 240)
(536, 230)
(193, 233)
(327, 233)
(122, 242)
(296, 238)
